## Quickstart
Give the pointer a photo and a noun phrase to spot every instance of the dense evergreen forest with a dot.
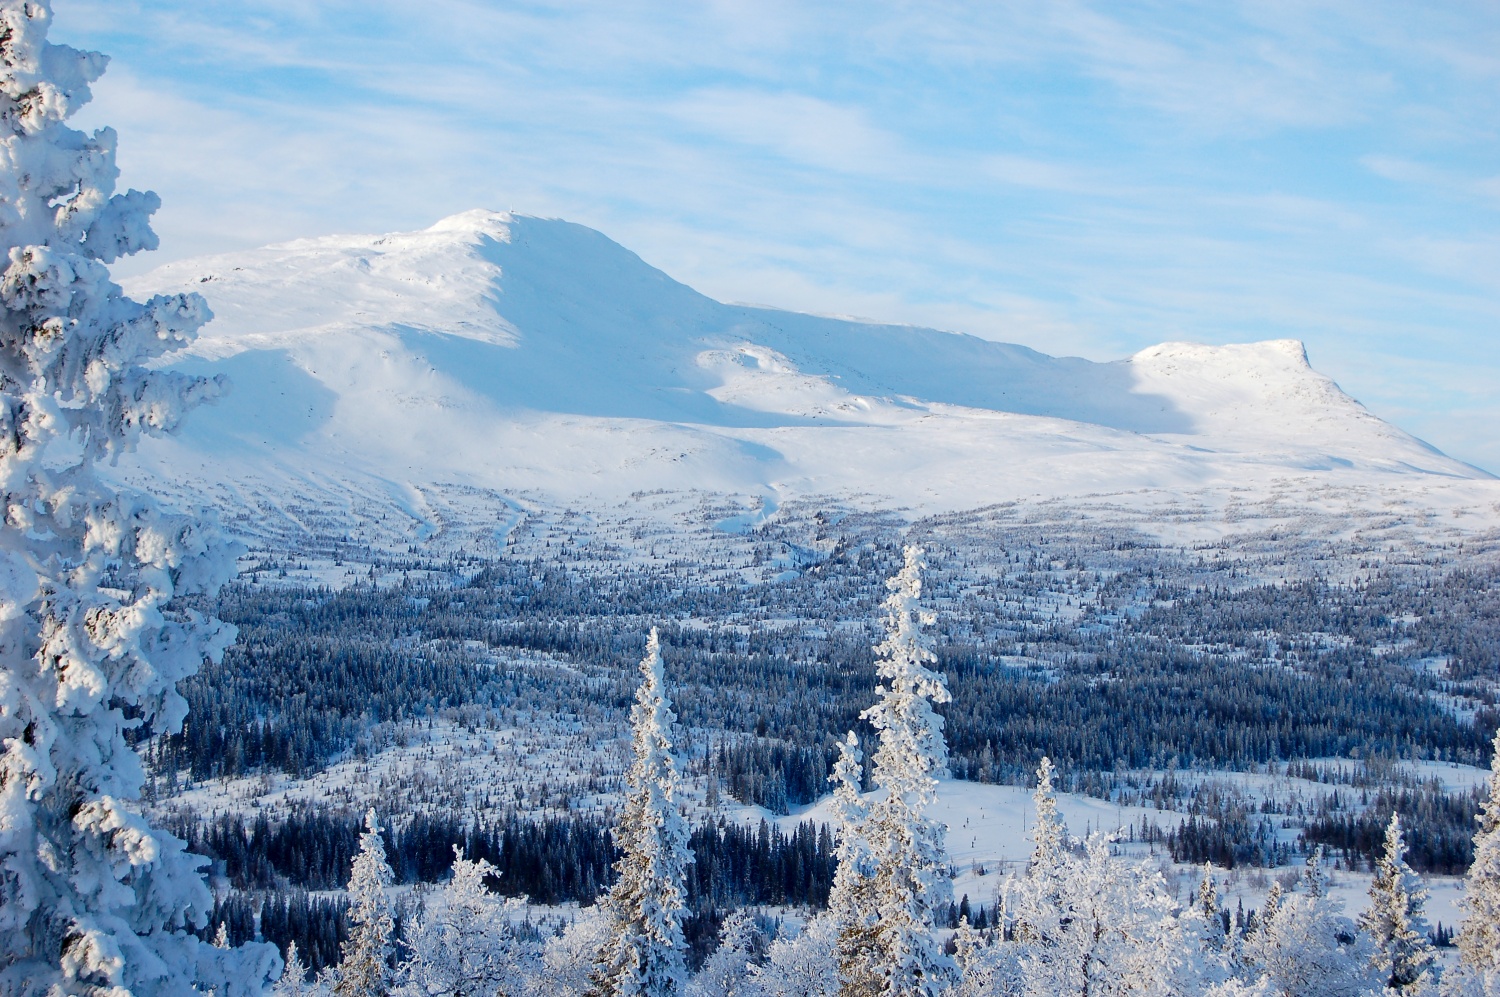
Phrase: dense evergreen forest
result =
(1224, 678)
(1111, 672)
(1141, 666)
(272, 865)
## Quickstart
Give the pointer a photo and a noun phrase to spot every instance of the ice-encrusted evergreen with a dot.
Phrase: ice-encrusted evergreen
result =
(363, 969)
(464, 944)
(726, 972)
(851, 851)
(93, 900)
(1096, 925)
(293, 980)
(1403, 955)
(1479, 936)
(887, 946)
(645, 953)
(1050, 836)
(1206, 915)
(850, 901)
(1048, 864)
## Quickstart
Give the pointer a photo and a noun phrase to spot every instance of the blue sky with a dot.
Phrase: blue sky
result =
(1082, 178)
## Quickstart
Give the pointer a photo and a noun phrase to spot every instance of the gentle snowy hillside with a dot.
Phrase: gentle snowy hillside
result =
(535, 357)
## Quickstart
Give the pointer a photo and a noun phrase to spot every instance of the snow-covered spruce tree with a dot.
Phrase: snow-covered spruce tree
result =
(644, 955)
(1098, 927)
(463, 945)
(851, 903)
(801, 965)
(851, 852)
(1049, 854)
(888, 947)
(1205, 925)
(726, 972)
(1403, 956)
(1050, 837)
(1479, 935)
(1314, 876)
(1206, 917)
(293, 981)
(363, 969)
(93, 900)
(1304, 946)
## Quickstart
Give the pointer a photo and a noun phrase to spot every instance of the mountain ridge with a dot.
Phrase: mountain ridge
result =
(535, 355)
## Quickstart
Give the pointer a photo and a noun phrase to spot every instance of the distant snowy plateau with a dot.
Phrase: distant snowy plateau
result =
(443, 387)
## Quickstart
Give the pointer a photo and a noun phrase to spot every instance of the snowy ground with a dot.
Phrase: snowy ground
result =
(989, 837)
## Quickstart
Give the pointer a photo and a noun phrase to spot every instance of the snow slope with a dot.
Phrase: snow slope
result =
(533, 356)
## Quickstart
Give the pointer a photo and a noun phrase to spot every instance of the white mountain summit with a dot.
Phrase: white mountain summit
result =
(533, 356)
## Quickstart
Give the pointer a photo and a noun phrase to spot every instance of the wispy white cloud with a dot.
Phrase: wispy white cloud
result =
(1441, 179)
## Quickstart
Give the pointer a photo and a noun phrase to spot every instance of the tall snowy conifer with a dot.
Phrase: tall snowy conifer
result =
(293, 981)
(1206, 914)
(1403, 955)
(851, 906)
(1314, 876)
(1479, 935)
(644, 955)
(362, 969)
(1049, 854)
(1051, 834)
(93, 900)
(851, 851)
(908, 858)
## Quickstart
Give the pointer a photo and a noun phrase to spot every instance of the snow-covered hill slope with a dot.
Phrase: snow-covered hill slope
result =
(530, 356)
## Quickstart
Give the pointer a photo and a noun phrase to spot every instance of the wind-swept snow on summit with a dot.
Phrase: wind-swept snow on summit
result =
(533, 355)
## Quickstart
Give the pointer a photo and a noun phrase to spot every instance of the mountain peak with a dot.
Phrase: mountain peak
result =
(1290, 353)
(479, 221)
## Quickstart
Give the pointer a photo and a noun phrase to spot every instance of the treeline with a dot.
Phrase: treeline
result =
(1233, 840)
(271, 866)
(772, 773)
(551, 860)
(318, 926)
(735, 866)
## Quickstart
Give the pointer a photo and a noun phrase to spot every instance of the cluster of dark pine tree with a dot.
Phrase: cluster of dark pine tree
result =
(1442, 839)
(271, 864)
(317, 925)
(1228, 843)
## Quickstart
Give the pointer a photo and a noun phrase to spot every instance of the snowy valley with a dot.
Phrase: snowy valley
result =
(474, 464)
(479, 612)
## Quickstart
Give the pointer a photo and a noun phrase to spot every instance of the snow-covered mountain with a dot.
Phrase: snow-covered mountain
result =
(523, 355)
